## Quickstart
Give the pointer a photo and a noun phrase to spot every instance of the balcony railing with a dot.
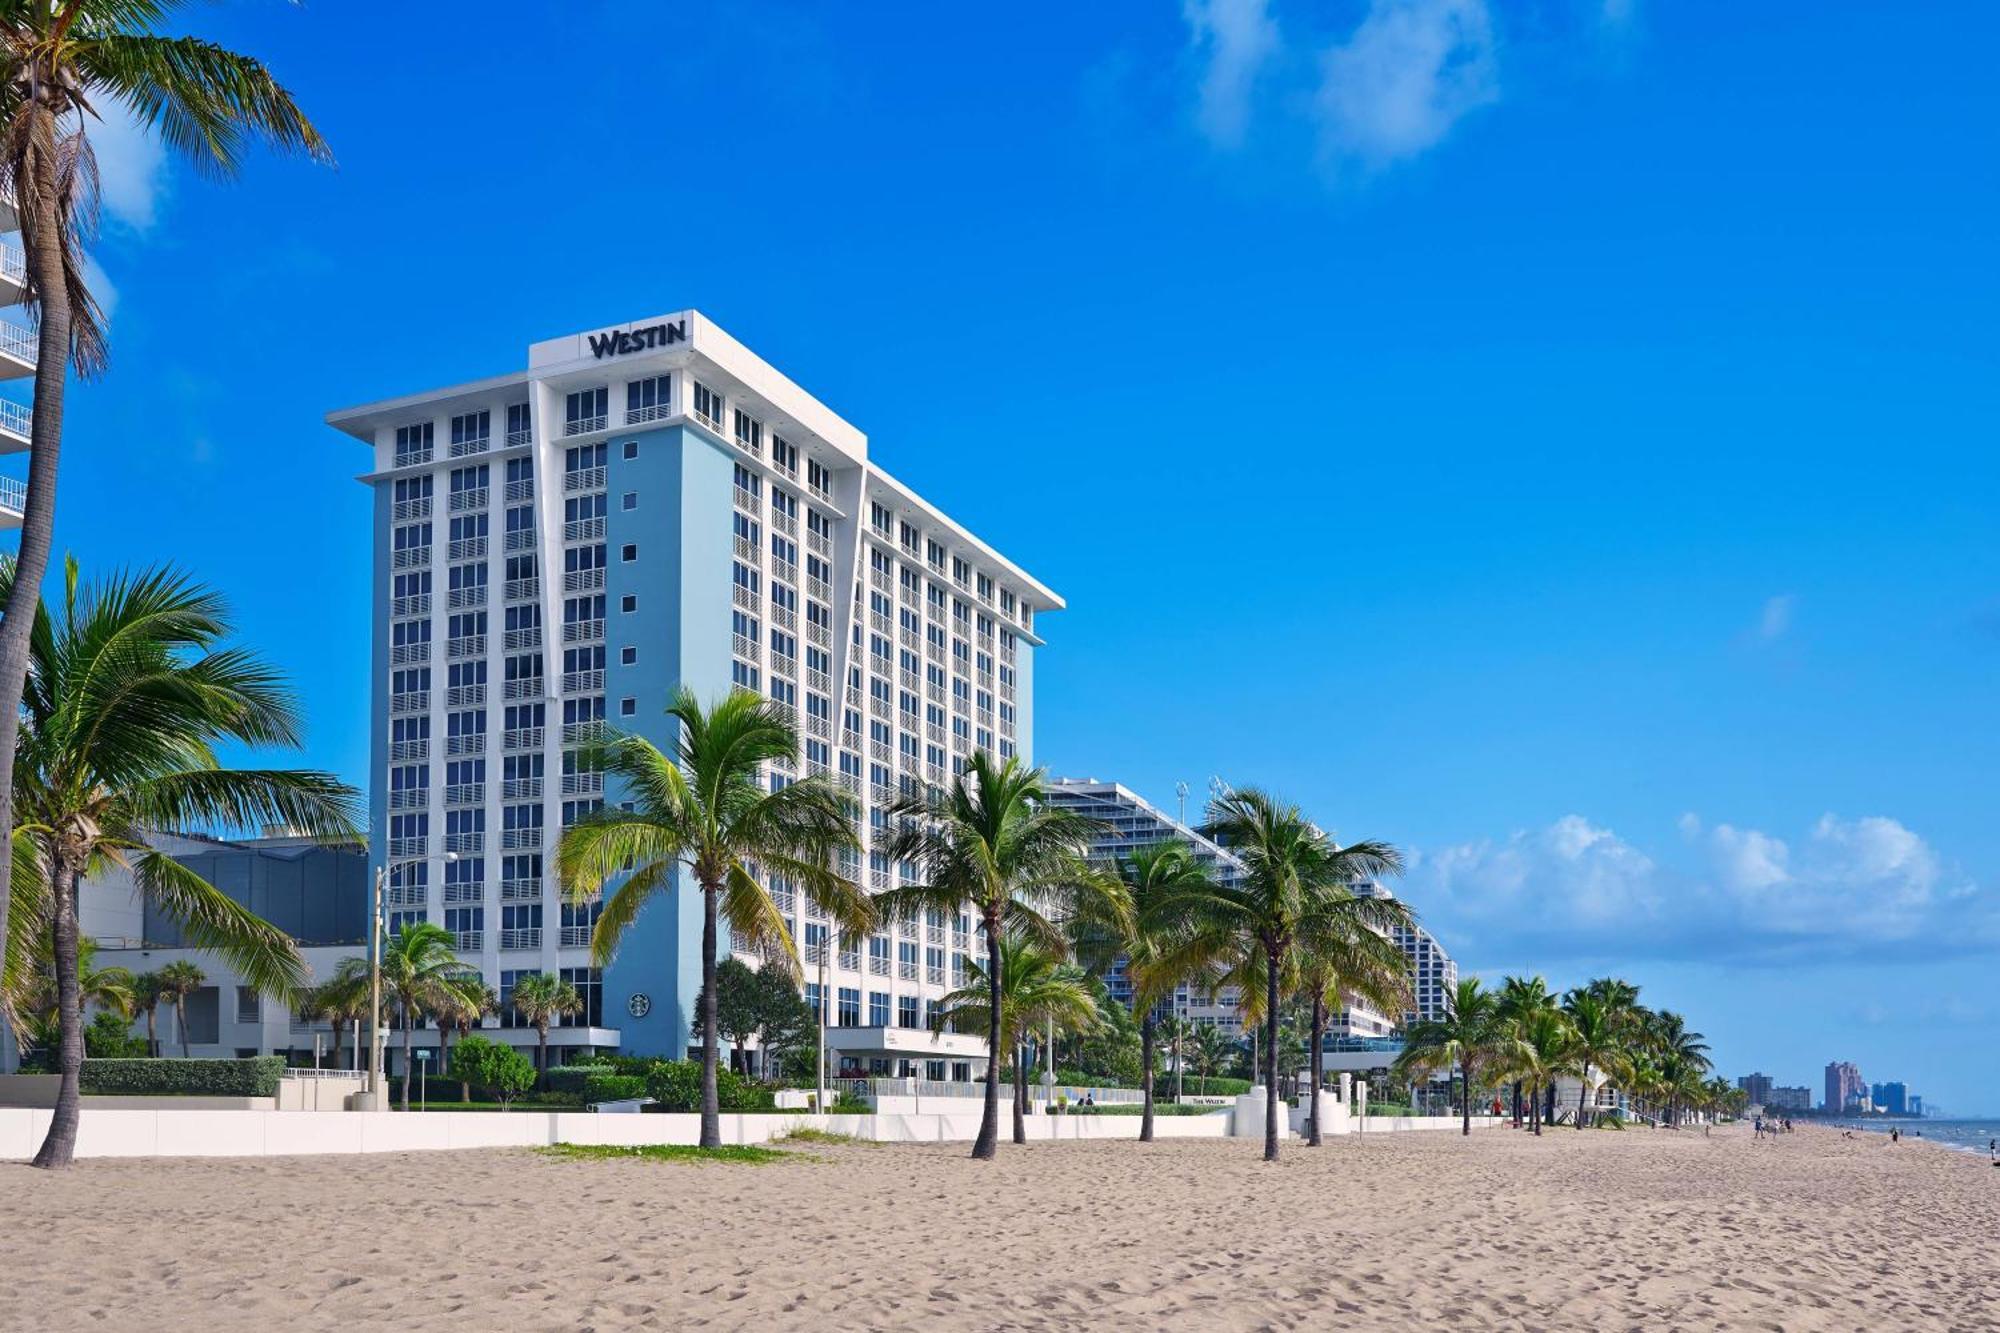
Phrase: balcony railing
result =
(519, 437)
(585, 425)
(469, 941)
(525, 937)
(520, 890)
(17, 342)
(584, 479)
(576, 937)
(469, 500)
(521, 738)
(637, 416)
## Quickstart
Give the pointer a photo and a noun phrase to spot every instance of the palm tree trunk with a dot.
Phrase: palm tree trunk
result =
(152, 1034)
(1581, 1093)
(59, 1147)
(988, 1142)
(1146, 1075)
(1517, 1103)
(1180, 1058)
(1465, 1076)
(444, 1048)
(1318, 1036)
(541, 1057)
(1271, 1054)
(409, 1065)
(43, 243)
(711, 1105)
(181, 1022)
(333, 1058)
(1021, 1094)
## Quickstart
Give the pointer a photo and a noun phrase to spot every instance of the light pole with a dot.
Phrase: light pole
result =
(375, 993)
(819, 1098)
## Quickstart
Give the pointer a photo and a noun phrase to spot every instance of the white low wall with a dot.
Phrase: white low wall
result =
(1390, 1124)
(185, 1133)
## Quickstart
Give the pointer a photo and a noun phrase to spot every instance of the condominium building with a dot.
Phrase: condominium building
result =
(1130, 822)
(1797, 1099)
(1890, 1098)
(1845, 1090)
(1757, 1087)
(1433, 974)
(559, 547)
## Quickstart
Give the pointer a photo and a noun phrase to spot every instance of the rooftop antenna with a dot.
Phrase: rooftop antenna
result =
(1181, 790)
(1218, 790)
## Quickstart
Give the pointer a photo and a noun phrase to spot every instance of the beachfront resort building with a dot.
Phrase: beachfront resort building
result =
(1845, 1090)
(1797, 1100)
(1756, 1087)
(557, 548)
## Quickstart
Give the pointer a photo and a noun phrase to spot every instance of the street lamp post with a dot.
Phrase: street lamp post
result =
(819, 1100)
(374, 1094)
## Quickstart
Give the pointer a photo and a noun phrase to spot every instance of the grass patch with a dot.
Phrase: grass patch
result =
(807, 1134)
(1160, 1109)
(668, 1152)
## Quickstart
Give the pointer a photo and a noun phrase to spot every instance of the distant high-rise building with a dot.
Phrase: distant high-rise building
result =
(1890, 1098)
(1790, 1099)
(1758, 1086)
(1433, 974)
(1916, 1104)
(1844, 1088)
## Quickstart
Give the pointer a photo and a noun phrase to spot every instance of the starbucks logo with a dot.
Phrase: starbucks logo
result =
(639, 1005)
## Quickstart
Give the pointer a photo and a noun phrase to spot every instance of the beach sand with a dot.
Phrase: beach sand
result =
(1640, 1229)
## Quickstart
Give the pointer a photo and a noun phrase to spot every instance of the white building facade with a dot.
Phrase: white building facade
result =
(558, 548)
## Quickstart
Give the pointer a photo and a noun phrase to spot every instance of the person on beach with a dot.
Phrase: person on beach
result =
(1895, 1135)
(1757, 1127)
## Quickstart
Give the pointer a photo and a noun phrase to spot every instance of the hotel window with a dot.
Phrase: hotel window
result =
(784, 456)
(878, 518)
(878, 1009)
(743, 675)
(907, 1014)
(585, 410)
(818, 476)
(517, 423)
(249, 1005)
(628, 552)
(582, 458)
(628, 708)
(648, 399)
(848, 1013)
(628, 603)
(631, 450)
(708, 406)
(629, 500)
(589, 984)
(471, 430)
(749, 432)
(413, 444)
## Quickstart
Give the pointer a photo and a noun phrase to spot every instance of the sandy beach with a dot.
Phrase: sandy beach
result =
(1639, 1229)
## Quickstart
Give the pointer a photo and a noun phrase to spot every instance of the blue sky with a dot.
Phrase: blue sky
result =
(1555, 437)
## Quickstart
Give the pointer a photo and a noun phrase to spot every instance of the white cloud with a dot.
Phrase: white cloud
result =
(1850, 885)
(1237, 38)
(100, 285)
(1410, 71)
(131, 167)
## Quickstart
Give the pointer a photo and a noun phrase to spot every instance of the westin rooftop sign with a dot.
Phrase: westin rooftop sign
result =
(624, 342)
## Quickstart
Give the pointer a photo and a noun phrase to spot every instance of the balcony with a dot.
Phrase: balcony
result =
(520, 890)
(14, 422)
(584, 479)
(585, 425)
(13, 500)
(17, 352)
(527, 937)
(639, 416)
(576, 937)
(469, 941)
(13, 276)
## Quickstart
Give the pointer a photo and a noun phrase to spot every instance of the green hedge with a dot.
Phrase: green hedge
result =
(571, 1078)
(612, 1088)
(257, 1077)
(1195, 1086)
(676, 1086)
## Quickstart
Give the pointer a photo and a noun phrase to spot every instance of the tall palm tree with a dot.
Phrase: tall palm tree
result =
(178, 980)
(1146, 930)
(146, 997)
(38, 1010)
(1037, 991)
(1540, 1053)
(1600, 1041)
(1021, 864)
(1292, 872)
(130, 689)
(1343, 959)
(342, 1000)
(62, 61)
(421, 970)
(1521, 997)
(1212, 1049)
(458, 1012)
(541, 999)
(1468, 1037)
(705, 809)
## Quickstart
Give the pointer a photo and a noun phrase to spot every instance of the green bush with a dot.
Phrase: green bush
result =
(109, 1038)
(256, 1077)
(496, 1068)
(1196, 1086)
(676, 1086)
(569, 1079)
(434, 1088)
(612, 1088)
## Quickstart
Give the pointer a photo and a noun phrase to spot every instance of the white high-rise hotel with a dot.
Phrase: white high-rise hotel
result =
(644, 507)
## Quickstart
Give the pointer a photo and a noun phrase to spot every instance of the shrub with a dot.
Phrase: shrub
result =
(612, 1088)
(109, 1038)
(570, 1079)
(676, 1086)
(500, 1070)
(256, 1077)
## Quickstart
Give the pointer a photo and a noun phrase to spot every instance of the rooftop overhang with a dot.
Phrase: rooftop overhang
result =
(906, 1043)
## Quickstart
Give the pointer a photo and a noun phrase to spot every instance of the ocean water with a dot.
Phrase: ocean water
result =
(1970, 1136)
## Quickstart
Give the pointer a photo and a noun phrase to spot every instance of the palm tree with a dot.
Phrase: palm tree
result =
(1146, 931)
(1538, 1054)
(1293, 873)
(421, 970)
(1342, 958)
(108, 988)
(1036, 991)
(1520, 999)
(1470, 1035)
(342, 1000)
(1600, 1038)
(129, 691)
(541, 999)
(146, 997)
(459, 1010)
(178, 980)
(1213, 1050)
(706, 809)
(62, 60)
(993, 843)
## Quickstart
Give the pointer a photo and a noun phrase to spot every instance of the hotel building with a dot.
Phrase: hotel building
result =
(560, 547)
